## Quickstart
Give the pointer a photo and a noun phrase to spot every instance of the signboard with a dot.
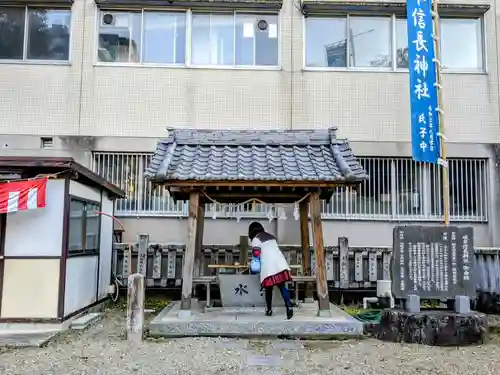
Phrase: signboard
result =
(423, 90)
(433, 262)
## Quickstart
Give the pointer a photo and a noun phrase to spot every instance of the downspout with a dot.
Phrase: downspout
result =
(292, 24)
(82, 56)
(494, 186)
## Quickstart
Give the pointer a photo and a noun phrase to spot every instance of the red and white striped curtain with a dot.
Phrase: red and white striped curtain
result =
(22, 195)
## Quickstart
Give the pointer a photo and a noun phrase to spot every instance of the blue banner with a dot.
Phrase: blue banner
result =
(423, 90)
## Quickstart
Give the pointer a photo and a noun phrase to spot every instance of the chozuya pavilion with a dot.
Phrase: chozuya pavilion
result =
(298, 167)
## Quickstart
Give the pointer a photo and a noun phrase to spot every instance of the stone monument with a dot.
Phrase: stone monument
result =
(433, 263)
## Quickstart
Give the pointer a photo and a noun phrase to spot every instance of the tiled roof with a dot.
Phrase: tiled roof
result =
(296, 155)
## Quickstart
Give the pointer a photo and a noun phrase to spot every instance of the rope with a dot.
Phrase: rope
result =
(251, 200)
(49, 176)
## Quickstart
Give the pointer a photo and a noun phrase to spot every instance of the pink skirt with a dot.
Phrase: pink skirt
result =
(279, 278)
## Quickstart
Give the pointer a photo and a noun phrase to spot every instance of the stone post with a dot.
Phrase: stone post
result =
(142, 254)
(135, 308)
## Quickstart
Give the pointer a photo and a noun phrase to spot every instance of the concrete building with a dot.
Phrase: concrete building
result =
(101, 81)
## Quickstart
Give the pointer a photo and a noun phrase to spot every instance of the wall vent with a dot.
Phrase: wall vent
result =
(46, 142)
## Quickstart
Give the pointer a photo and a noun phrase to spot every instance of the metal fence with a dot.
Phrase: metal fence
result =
(397, 189)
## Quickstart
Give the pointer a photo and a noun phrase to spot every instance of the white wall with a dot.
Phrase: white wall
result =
(106, 246)
(30, 288)
(38, 232)
(84, 191)
(81, 283)
(80, 293)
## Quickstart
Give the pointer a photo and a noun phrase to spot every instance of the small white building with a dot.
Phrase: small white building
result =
(55, 257)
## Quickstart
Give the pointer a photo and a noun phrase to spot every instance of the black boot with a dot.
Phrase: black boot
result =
(289, 313)
(269, 300)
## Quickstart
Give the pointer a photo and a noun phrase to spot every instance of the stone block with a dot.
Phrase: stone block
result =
(412, 304)
(433, 327)
(86, 320)
(462, 304)
(244, 291)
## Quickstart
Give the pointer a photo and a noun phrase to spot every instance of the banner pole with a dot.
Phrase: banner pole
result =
(442, 139)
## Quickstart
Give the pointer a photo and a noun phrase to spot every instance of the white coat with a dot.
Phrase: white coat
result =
(272, 260)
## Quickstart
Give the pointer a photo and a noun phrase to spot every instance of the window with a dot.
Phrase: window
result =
(120, 37)
(84, 227)
(213, 39)
(401, 189)
(401, 44)
(256, 40)
(234, 39)
(461, 43)
(368, 43)
(326, 49)
(216, 39)
(34, 33)
(168, 31)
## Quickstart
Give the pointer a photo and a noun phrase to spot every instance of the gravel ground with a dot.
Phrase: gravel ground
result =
(102, 350)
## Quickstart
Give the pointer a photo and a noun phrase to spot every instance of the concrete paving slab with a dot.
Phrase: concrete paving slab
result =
(252, 322)
(26, 338)
(85, 321)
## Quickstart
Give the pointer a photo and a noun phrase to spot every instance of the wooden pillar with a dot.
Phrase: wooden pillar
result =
(305, 244)
(198, 255)
(244, 250)
(319, 249)
(189, 255)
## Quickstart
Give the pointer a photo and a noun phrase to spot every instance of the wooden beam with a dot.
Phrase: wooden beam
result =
(189, 255)
(264, 196)
(319, 249)
(198, 255)
(315, 185)
(305, 244)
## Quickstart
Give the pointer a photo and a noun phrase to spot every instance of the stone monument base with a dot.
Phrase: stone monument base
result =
(433, 327)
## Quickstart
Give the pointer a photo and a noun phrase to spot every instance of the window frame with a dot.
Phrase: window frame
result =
(84, 251)
(188, 60)
(393, 68)
(25, 59)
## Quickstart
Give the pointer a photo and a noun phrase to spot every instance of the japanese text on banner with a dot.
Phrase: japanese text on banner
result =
(423, 91)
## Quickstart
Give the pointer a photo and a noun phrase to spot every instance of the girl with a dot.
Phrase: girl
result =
(274, 269)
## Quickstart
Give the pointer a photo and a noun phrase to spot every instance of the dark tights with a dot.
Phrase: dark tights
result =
(284, 293)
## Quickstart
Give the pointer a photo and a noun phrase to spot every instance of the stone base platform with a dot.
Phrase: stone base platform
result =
(433, 327)
(252, 322)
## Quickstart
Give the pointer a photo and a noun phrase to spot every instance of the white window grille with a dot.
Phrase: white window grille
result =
(397, 189)
(401, 189)
(126, 170)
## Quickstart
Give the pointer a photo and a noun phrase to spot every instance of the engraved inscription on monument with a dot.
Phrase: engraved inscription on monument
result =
(433, 261)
